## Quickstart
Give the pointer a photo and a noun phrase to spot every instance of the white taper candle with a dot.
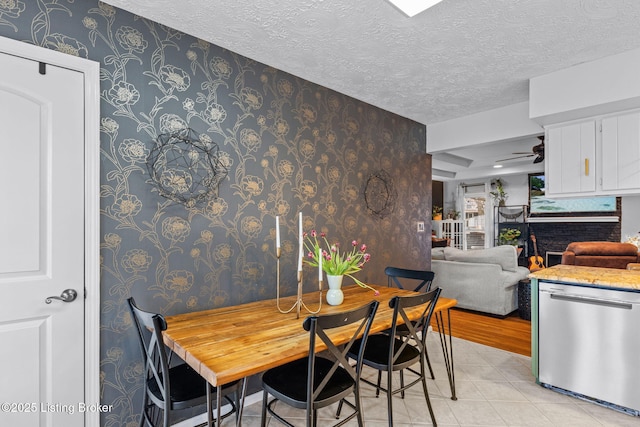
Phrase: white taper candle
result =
(301, 250)
(277, 232)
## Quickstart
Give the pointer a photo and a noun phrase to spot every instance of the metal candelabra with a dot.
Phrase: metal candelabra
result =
(299, 303)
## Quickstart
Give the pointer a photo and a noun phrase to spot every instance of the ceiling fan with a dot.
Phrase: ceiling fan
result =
(536, 150)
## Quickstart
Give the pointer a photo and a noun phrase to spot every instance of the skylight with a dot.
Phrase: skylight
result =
(413, 7)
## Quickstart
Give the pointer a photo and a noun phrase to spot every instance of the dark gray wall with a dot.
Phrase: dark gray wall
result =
(289, 145)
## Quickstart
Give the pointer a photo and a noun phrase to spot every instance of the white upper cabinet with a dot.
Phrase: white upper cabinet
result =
(598, 156)
(621, 152)
(570, 159)
(591, 114)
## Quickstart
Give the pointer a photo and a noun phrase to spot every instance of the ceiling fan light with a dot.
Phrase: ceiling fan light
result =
(413, 7)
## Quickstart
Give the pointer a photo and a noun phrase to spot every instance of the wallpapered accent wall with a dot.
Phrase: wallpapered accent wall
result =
(289, 145)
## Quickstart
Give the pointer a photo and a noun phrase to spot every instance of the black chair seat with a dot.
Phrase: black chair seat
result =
(403, 329)
(376, 354)
(315, 382)
(290, 382)
(185, 388)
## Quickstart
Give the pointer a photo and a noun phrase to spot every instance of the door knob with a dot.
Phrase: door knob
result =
(67, 295)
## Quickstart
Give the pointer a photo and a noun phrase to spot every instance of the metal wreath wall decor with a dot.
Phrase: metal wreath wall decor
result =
(185, 167)
(379, 194)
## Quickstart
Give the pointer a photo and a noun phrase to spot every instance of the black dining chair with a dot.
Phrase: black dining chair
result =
(396, 276)
(317, 381)
(393, 352)
(418, 281)
(168, 386)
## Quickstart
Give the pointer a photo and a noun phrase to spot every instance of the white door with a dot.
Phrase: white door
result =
(41, 244)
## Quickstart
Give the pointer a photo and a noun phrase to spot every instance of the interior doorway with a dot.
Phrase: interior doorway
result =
(39, 156)
(474, 213)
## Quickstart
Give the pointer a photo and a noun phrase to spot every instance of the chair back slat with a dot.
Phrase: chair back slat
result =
(400, 305)
(149, 327)
(318, 327)
(395, 274)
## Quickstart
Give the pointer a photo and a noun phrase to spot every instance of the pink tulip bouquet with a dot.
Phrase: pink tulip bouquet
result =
(334, 261)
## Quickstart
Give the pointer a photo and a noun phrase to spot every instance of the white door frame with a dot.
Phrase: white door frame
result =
(91, 72)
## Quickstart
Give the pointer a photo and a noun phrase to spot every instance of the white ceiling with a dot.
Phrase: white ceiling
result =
(484, 157)
(458, 58)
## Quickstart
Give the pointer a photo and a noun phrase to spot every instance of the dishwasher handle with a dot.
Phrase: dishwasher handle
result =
(589, 300)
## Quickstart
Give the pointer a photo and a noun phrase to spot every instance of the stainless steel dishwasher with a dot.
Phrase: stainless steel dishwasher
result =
(589, 343)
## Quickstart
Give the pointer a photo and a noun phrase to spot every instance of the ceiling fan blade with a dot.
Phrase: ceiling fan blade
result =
(539, 159)
(513, 158)
(522, 152)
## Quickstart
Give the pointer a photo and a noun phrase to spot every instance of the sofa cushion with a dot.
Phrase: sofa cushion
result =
(437, 253)
(600, 254)
(505, 256)
(603, 249)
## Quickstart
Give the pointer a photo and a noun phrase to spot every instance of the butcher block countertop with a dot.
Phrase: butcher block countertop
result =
(596, 276)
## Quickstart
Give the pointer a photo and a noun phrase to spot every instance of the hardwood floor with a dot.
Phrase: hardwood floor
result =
(511, 333)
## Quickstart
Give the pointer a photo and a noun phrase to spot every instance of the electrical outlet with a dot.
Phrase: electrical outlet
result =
(420, 227)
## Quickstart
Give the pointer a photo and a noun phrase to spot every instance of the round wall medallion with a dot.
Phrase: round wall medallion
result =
(379, 194)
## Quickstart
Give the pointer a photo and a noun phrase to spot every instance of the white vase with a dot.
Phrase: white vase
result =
(334, 294)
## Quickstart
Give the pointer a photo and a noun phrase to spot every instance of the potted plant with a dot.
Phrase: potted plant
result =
(498, 194)
(336, 262)
(509, 236)
(436, 213)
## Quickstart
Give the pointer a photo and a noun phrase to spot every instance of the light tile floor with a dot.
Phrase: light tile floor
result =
(494, 388)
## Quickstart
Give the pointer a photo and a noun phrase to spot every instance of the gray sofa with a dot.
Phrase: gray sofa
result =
(484, 280)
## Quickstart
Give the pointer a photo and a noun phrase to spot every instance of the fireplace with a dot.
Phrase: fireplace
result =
(552, 258)
(553, 235)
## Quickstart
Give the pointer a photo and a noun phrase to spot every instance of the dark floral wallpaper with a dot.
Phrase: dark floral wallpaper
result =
(288, 145)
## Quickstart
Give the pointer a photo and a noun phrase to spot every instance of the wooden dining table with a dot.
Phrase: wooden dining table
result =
(231, 343)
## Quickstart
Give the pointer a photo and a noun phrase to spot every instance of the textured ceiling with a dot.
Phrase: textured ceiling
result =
(457, 58)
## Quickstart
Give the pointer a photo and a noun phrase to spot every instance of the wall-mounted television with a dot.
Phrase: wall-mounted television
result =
(539, 204)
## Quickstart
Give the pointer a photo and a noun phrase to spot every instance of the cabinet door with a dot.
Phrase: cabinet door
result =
(570, 159)
(621, 152)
